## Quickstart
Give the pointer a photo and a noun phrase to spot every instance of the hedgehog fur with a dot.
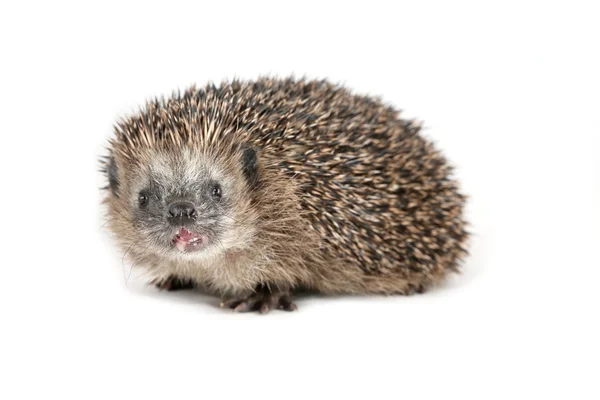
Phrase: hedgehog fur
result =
(344, 196)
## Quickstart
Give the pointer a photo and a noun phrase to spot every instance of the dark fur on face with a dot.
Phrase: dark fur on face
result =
(206, 187)
(113, 175)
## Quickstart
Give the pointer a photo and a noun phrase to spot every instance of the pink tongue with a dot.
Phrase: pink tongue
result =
(183, 238)
(185, 234)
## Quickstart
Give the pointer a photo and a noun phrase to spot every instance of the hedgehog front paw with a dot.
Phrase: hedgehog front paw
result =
(262, 300)
(172, 283)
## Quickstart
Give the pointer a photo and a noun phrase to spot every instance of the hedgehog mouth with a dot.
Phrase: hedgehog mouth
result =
(186, 241)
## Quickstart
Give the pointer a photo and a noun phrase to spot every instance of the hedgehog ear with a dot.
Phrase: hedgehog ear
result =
(112, 172)
(249, 163)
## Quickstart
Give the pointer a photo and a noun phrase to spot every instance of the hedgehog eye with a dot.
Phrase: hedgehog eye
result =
(143, 199)
(216, 192)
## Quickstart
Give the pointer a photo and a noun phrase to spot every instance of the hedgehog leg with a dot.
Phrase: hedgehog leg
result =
(262, 300)
(172, 283)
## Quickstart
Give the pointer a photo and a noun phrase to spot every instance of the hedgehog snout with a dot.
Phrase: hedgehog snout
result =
(181, 213)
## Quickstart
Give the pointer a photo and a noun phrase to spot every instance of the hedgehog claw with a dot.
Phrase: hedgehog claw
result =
(262, 300)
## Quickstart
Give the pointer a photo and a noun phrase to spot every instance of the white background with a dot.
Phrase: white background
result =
(509, 91)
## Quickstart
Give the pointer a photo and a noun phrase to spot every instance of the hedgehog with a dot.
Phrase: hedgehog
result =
(256, 190)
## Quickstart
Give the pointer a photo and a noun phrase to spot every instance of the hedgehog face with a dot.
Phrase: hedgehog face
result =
(184, 203)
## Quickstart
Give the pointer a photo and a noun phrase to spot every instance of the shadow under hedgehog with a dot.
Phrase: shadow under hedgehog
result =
(255, 189)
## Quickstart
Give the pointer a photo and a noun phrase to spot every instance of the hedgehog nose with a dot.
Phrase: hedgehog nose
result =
(181, 213)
